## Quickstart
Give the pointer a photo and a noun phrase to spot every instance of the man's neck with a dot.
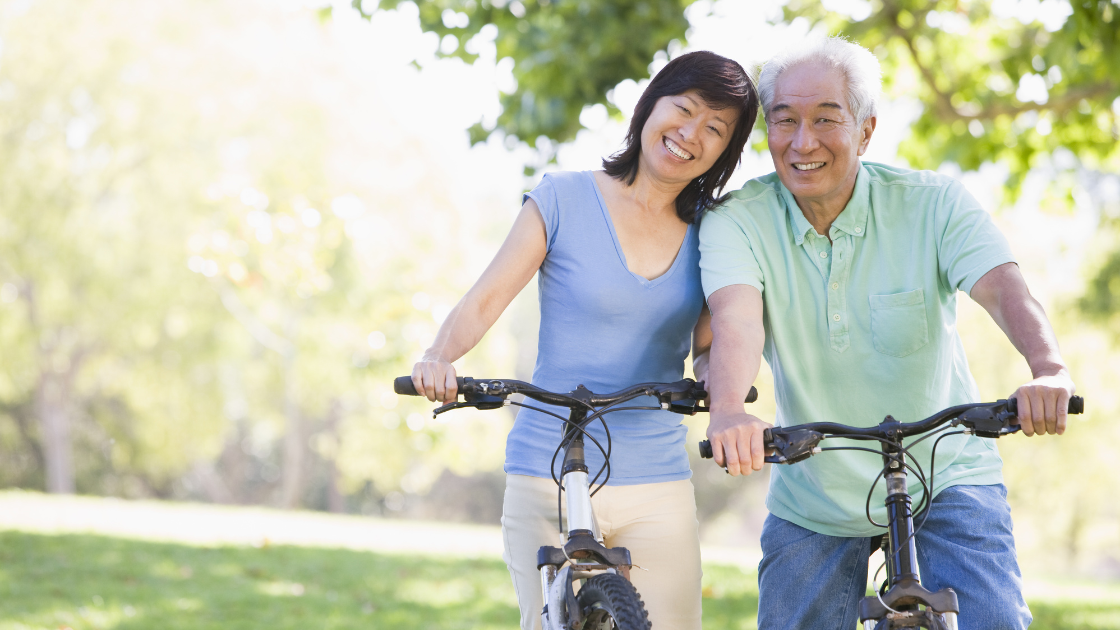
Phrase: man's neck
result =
(821, 216)
(821, 213)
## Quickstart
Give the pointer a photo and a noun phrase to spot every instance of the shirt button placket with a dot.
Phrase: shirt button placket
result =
(838, 329)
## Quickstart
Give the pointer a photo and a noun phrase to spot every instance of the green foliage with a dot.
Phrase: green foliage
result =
(211, 266)
(966, 66)
(568, 53)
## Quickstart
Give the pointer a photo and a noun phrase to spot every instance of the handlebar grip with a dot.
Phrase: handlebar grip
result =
(1076, 405)
(403, 385)
(705, 450)
(752, 395)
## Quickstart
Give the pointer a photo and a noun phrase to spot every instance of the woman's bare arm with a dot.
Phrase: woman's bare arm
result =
(519, 257)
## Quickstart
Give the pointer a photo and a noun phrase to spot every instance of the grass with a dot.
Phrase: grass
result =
(85, 582)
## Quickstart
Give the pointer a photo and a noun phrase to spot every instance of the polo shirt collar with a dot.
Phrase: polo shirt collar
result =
(852, 220)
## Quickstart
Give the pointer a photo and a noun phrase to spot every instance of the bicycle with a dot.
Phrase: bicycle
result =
(901, 601)
(606, 599)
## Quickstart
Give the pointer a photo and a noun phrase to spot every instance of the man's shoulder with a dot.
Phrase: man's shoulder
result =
(757, 194)
(891, 176)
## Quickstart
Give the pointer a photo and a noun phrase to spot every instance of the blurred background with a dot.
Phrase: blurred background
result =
(225, 226)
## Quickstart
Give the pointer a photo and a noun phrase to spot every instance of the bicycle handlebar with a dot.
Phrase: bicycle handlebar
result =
(797, 443)
(490, 393)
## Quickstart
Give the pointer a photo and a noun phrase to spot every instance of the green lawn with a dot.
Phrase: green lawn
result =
(84, 582)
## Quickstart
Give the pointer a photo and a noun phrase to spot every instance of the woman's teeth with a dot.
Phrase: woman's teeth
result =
(808, 167)
(676, 150)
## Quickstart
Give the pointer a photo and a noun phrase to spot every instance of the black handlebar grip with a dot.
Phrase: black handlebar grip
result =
(706, 449)
(1076, 405)
(403, 385)
(752, 395)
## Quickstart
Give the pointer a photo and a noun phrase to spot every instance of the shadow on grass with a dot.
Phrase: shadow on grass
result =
(86, 581)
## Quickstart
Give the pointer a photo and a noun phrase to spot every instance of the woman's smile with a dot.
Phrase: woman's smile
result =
(676, 149)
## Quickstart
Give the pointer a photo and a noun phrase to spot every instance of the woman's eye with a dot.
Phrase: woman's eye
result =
(716, 131)
(683, 109)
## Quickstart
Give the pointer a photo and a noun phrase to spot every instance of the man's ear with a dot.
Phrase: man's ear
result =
(865, 130)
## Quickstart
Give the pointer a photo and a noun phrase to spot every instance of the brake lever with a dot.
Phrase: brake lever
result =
(483, 402)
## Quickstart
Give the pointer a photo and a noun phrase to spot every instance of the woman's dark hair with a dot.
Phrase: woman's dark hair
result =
(723, 84)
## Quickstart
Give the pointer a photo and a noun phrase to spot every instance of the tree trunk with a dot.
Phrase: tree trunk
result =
(291, 485)
(51, 402)
(335, 501)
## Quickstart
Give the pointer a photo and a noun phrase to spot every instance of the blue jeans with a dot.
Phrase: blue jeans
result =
(812, 581)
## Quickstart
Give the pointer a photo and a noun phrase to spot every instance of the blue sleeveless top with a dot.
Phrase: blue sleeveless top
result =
(606, 328)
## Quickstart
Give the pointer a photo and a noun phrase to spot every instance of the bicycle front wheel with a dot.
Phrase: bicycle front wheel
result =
(610, 602)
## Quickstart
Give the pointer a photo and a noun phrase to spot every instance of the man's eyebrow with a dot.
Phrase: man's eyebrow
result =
(784, 106)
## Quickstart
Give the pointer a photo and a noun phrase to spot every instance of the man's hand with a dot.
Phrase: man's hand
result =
(1043, 403)
(737, 442)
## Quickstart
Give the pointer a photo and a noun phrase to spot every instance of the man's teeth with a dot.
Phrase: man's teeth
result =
(808, 167)
(676, 150)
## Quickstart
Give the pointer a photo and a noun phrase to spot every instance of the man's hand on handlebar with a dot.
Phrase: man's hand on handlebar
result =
(737, 442)
(1042, 404)
(435, 379)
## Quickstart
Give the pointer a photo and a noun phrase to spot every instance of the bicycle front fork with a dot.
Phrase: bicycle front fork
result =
(899, 607)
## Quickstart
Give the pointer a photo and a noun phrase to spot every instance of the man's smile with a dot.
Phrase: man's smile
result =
(807, 166)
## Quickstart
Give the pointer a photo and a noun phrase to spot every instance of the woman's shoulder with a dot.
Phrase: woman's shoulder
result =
(567, 181)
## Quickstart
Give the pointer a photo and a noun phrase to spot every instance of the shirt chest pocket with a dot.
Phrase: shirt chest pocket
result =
(898, 323)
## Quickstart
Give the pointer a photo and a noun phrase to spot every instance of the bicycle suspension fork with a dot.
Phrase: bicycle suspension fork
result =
(902, 555)
(904, 591)
(574, 478)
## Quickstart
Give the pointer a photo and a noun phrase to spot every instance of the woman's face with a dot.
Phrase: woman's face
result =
(683, 137)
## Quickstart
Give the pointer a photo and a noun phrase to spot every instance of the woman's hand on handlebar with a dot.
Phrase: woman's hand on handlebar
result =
(737, 441)
(434, 379)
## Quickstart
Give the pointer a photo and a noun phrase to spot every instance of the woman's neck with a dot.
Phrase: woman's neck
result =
(652, 195)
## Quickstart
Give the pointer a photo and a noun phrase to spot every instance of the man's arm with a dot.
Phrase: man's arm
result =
(1042, 401)
(736, 355)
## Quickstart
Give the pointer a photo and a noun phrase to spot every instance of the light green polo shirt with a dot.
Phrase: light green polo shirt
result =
(861, 327)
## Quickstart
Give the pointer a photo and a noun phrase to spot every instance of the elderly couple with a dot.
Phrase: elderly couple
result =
(842, 274)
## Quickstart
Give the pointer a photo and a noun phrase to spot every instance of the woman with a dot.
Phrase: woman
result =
(617, 251)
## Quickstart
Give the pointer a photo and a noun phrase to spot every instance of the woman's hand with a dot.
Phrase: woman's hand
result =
(435, 379)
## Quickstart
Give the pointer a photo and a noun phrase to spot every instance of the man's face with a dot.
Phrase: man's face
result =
(814, 138)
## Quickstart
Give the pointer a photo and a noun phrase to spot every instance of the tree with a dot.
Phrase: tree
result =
(568, 53)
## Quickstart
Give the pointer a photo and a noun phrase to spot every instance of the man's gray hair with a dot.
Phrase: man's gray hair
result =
(857, 64)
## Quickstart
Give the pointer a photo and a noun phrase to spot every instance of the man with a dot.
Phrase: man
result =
(844, 276)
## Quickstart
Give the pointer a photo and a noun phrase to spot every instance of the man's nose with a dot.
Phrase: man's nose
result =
(804, 139)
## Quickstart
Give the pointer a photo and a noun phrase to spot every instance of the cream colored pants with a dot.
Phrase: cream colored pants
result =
(656, 522)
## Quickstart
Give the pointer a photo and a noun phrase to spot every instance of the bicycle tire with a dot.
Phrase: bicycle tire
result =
(610, 602)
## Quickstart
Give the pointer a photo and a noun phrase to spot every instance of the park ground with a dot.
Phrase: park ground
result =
(78, 563)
